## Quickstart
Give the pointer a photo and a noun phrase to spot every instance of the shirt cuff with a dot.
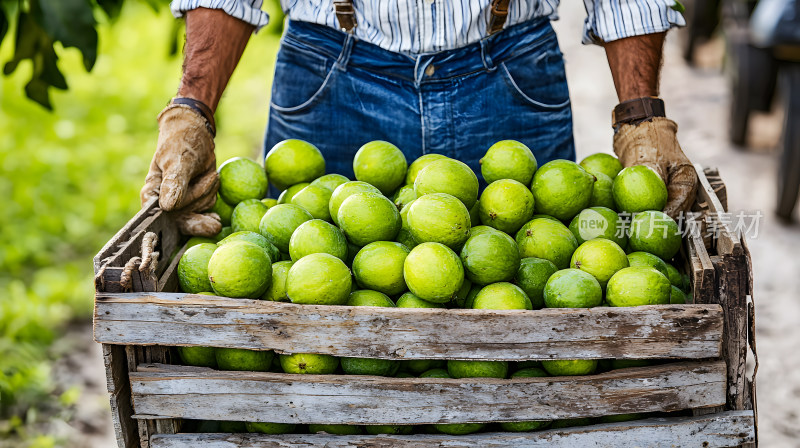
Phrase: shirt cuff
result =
(248, 11)
(610, 20)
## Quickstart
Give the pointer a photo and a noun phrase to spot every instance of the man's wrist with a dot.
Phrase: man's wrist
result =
(200, 108)
(637, 111)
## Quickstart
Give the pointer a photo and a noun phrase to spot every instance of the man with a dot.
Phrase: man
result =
(445, 76)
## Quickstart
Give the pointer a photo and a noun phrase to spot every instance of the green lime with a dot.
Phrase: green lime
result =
(330, 181)
(547, 239)
(433, 272)
(270, 428)
(636, 286)
(241, 359)
(478, 230)
(381, 164)
(269, 202)
(405, 238)
(602, 163)
(435, 373)
(280, 222)
(602, 192)
(314, 199)
(655, 232)
(570, 367)
(317, 236)
(339, 430)
(195, 240)
(198, 356)
(439, 218)
(470, 299)
(255, 238)
(318, 279)
(343, 192)
(462, 293)
(232, 427)
(562, 188)
(418, 164)
(502, 296)
(368, 217)
(247, 215)
(572, 288)
(288, 194)
(227, 230)
(648, 260)
(532, 276)
(379, 266)
(293, 161)
(448, 176)
(600, 257)
(223, 209)
(240, 269)
(490, 257)
(309, 363)
(193, 268)
(639, 188)
(598, 222)
(506, 205)
(368, 297)
(674, 276)
(369, 366)
(277, 288)
(241, 179)
(676, 296)
(422, 366)
(477, 369)
(508, 159)
(404, 196)
(459, 429)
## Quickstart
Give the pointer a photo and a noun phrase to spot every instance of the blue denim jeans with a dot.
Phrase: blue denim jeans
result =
(338, 93)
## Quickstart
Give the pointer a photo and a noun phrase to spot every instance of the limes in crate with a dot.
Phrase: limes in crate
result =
(368, 366)
(561, 189)
(270, 428)
(532, 425)
(309, 363)
(379, 266)
(532, 276)
(505, 205)
(229, 426)
(277, 288)
(548, 239)
(381, 164)
(677, 297)
(439, 218)
(255, 238)
(508, 159)
(193, 268)
(603, 192)
(279, 222)
(674, 276)
(403, 196)
(459, 429)
(477, 369)
(330, 181)
(599, 222)
(480, 229)
(570, 367)
(247, 215)
(343, 192)
(433, 272)
(435, 373)
(269, 202)
(195, 240)
(501, 296)
(341, 430)
(418, 164)
(198, 356)
(389, 429)
(636, 286)
(648, 260)
(366, 297)
(448, 176)
(409, 300)
(240, 269)
(227, 230)
(602, 163)
(600, 257)
(572, 288)
(462, 293)
(655, 232)
(241, 359)
(314, 199)
(490, 257)
(293, 161)
(318, 279)
(224, 210)
(368, 217)
(288, 194)
(420, 366)
(317, 236)
(639, 188)
(241, 179)
(570, 422)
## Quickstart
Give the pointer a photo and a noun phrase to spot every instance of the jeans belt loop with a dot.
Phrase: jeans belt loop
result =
(486, 54)
(344, 56)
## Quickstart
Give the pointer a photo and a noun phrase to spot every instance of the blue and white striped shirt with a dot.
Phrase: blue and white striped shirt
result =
(422, 26)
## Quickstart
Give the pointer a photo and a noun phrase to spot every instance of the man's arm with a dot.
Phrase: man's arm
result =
(635, 64)
(215, 42)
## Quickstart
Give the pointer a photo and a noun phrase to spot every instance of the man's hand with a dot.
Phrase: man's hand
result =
(183, 171)
(635, 64)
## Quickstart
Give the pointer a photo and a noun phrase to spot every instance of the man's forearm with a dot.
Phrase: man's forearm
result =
(635, 65)
(215, 42)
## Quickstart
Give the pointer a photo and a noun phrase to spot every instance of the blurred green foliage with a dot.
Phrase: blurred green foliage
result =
(70, 179)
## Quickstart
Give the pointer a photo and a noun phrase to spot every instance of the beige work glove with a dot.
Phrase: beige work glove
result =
(183, 172)
(655, 144)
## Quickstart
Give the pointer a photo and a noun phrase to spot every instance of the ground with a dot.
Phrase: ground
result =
(697, 100)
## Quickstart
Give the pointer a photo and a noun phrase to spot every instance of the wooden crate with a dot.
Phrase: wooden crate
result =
(705, 383)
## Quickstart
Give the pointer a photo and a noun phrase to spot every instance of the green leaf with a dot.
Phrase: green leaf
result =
(3, 25)
(112, 8)
(71, 22)
(27, 42)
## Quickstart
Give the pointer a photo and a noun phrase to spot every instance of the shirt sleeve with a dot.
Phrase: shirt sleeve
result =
(609, 20)
(248, 11)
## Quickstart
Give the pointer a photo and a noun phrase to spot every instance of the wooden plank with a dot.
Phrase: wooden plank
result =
(721, 430)
(120, 238)
(169, 278)
(659, 331)
(727, 240)
(119, 389)
(732, 278)
(202, 393)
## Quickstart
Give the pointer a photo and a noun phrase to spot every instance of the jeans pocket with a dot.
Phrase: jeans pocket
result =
(301, 77)
(538, 78)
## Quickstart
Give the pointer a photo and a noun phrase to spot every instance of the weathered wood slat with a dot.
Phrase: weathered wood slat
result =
(125, 428)
(663, 331)
(721, 430)
(727, 240)
(201, 393)
(121, 238)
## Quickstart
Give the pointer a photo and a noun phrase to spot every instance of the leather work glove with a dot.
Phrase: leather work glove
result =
(655, 144)
(183, 171)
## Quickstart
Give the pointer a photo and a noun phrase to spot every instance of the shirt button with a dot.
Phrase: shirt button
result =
(430, 70)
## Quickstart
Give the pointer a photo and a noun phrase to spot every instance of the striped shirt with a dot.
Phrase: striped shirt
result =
(423, 26)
